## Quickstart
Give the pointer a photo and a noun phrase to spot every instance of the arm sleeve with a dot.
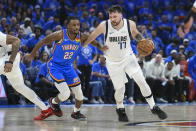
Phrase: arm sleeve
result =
(2, 39)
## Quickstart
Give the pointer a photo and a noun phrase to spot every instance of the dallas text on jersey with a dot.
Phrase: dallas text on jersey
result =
(118, 38)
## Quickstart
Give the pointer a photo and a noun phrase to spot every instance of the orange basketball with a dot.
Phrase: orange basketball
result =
(145, 47)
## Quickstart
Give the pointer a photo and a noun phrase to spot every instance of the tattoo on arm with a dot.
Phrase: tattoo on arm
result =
(139, 37)
(15, 46)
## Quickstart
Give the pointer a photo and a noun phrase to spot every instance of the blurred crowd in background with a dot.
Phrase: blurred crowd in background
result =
(165, 70)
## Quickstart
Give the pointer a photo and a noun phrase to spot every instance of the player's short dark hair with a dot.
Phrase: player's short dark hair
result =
(72, 18)
(115, 8)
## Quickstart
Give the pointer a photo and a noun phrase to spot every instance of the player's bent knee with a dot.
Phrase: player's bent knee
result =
(77, 92)
(64, 95)
(64, 90)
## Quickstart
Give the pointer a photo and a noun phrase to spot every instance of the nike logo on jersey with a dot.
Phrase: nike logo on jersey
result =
(111, 33)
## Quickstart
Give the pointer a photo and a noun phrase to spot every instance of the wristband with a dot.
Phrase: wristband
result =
(9, 62)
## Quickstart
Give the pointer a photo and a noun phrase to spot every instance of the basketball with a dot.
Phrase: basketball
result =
(145, 47)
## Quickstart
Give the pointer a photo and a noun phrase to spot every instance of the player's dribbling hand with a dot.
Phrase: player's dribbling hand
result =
(104, 48)
(8, 67)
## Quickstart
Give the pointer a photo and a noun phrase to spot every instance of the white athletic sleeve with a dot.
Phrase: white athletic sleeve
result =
(2, 39)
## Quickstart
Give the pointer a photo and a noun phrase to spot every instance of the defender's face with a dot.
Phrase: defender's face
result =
(115, 18)
(74, 26)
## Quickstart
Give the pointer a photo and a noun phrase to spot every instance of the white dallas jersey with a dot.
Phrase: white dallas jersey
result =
(118, 42)
(4, 48)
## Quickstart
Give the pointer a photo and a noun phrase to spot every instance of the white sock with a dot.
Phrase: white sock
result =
(151, 102)
(40, 103)
(53, 101)
(76, 109)
(120, 105)
(30, 95)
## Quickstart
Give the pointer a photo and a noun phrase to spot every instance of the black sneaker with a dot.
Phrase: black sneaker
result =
(79, 116)
(157, 111)
(56, 108)
(122, 116)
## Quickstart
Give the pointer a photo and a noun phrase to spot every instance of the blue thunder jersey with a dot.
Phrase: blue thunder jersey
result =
(66, 51)
(60, 63)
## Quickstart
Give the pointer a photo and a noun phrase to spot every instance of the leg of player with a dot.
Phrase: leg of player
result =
(16, 79)
(77, 91)
(120, 110)
(118, 78)
(146, 92)
(62, 96)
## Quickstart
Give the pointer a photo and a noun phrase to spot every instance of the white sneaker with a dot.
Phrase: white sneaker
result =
(131, 100)
(100, 101)
(163, 100)
(85, 98)
(93, 101)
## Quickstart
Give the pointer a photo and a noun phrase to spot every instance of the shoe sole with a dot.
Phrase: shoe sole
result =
(121, 120)
(160, 117)
(81, 119)
(43, 119)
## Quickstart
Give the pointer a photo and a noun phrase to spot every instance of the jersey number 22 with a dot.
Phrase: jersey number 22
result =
(68, 55)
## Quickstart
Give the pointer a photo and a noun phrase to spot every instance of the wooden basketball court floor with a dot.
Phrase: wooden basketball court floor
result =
(181, 117)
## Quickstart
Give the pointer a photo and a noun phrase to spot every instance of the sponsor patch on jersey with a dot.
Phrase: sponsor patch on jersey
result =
(76, 80)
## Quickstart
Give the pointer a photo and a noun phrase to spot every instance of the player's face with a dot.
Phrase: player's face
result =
(74, 26)
(115, 18)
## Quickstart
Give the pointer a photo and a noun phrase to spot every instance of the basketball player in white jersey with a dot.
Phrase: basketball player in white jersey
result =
(121, 60)
(9, 66)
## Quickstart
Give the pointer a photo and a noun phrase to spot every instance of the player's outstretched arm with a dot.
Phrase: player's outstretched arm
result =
(99, 30)
(56, 36)
(84, 37)
(15, 46)
(185, 27)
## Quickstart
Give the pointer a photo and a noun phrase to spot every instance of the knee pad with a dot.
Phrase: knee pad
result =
(77, 92)
(64, 91)
(119, 94)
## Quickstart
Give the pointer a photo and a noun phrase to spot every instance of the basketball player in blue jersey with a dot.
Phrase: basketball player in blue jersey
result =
(65, 51)
(192, 69)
